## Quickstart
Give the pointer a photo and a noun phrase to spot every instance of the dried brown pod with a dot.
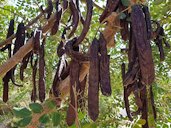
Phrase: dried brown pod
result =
(75, 17)
(86, 25)
(7, 76)
(93, 89)
(58, 18)
(142, 45)
(148, 21)
(72, 51)
(19, 42)
(104, 67)
(126, 93)
(74, 90)
(34, 72)
(36, 42)
(111, 6)
(49, 8)
(42, 86)
(65, 4)
(144, 111)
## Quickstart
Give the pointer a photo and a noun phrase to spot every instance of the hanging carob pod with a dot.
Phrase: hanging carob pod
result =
(42, 86)
(87, 22)
(124, 23)
(93, 89)
(142, 45)
(7, 76)
(104, 68)
(148, 21)
(75, 17)
(65, 5)
(34, 72)
(25, 61)
(78, 7)
(81, 99)
(111, 6)
(74, 91)
(49, 8)
(144, 111)
(19, 42)
(58, 18)
(74, 87)
(62, 72)
(126, 100)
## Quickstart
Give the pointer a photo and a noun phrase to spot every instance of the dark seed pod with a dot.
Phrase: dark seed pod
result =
(19, 42)
(126, 93)
(75, 17)
(143, 96)
(111, 6)
(50, 8)
(7, 76)
(65, 4)
(58, 18)
(104, 68)
(42, 87)
(74, 89)
(93, 89)
(36, 42)
(148, 22)
(143, 45)
(86, 25)
(34, 72)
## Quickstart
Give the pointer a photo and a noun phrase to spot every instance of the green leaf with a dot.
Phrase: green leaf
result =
(56, 118)
(122, 16)
(157, 2)
(141, 121)
(125, 2)
(44, 119)
(50, 104)
(21, 112)
(36, 108)
(24, 122)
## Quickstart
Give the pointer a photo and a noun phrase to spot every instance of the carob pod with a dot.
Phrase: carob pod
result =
(152, 102)
(87, 22)
(126, 100)
(42, 87)
(78, 7)
(36, 42)
(82, 90)
(75, 17)
(124, 23)
(59, 76)
(74, 90)
(73, 53)
(111, 6)
(93, 89)
(34, 72)
(104, 68)
(49, 8)
(65, 5)
(144, 111)
(148, 21)
(56, 80)
(7, 76)
(19, 42)
(10, 32)
(57, 20)
(24, 65)
(142, 45)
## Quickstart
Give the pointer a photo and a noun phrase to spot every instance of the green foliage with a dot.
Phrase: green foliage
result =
(36, 108)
